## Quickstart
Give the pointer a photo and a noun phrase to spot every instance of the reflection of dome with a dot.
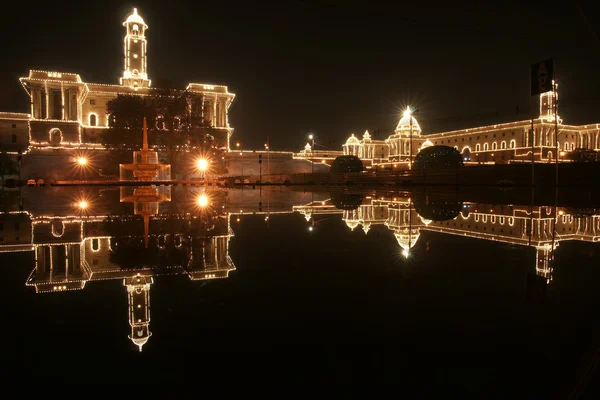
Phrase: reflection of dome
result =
(426, 144)
(352, 223)
(425, 221)
(139, 342)
(135, 18)
(352, 140)
(404, 238)
(404, 125)
(366, 227)
(367, 136)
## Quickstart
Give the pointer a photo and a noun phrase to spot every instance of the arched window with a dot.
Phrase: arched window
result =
(93, 120)
(566, 146)
(572, 146)
(135, 29)
(512, 144)
(160, 122)
(501, 220)
(494, 146)
(493, 219)
(484, 218)
(485, 147)
(503, 145)
(95, 245)
(476, 218)
(477, 147)
(511, 221)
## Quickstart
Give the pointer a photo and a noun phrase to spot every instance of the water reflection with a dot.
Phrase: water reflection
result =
(167, 233)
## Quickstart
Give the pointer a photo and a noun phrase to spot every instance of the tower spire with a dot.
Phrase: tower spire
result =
(145, 139)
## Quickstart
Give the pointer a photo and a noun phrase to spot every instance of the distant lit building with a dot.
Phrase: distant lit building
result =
(499, 143)
(66, 112)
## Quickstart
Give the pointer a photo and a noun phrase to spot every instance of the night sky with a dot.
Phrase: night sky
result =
(332, 68)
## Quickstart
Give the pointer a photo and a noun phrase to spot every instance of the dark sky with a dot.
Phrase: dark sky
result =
(333, 68)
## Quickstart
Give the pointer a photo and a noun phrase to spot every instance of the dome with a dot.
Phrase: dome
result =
(404, 124)
(352, 140)
(426, 144)
(136, 19)
(404, 239)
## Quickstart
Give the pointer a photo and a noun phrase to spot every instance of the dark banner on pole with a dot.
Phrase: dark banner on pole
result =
(541, 77)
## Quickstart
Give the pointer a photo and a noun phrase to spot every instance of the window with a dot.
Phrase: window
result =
(494, 145)
(14, 125)
(494, 135)
(14, 139)
(95, 244)
(512, 144)
(93, 120)
(92, 102)
(485, 147)
(566, 146)
(572, 146)
(477, 147)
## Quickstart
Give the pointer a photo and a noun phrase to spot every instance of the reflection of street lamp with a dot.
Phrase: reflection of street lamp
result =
(82, 205)
(82, 161)
(562, 154)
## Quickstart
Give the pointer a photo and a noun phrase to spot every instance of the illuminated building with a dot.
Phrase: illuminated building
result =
(499, 143)
(67, 112)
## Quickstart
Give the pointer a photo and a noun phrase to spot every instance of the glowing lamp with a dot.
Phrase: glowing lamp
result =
(202, 200)
(405, 253)
(202, 164)
(310, 228)
(310, 136)
(83, 204)
(82, 161)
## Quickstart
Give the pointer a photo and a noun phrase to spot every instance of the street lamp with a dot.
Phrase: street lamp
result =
(202, 200)
(202, 165)
(82, 161)
(562, 154)
(242, 159)
(311, 137)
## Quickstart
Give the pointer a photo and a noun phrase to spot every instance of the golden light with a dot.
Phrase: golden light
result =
(202, 200)
(82, 204)
(82, 161)
(202, 164)
(407, 112)
(237, 144)
(311, 136)
(561, 212)
(405, 253)
(562, 153)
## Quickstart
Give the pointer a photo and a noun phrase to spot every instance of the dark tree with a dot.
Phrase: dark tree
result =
(126, 113)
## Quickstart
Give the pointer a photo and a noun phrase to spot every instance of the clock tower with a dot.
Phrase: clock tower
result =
(135, 73)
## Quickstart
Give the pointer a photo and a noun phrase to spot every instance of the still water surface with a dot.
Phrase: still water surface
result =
(433, 290)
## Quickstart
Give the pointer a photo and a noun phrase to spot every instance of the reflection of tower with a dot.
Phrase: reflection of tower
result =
(543, 261)
(135, 69)
(138, 293)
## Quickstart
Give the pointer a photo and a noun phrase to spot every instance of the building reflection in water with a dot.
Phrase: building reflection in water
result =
(72, 248)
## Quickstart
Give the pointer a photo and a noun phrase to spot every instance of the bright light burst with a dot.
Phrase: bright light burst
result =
(82, 204)
(405, 253)
(202, 164)
(82, 161)
(202, 200)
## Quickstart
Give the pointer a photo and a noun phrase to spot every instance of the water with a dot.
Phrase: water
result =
(284, 285)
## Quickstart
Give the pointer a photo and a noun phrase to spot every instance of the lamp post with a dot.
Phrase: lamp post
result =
(202, 165)
(242, 158)
(268, 160)
(311, 137)
(409, 113)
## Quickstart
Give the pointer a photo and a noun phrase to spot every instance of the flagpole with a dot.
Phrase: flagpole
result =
(531, 133)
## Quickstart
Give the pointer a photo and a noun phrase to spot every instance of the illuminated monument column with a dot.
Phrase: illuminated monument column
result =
(138, 295)
(145, 168)
(135, 69)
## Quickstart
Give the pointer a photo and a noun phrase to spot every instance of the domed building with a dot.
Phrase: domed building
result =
(400, 142)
